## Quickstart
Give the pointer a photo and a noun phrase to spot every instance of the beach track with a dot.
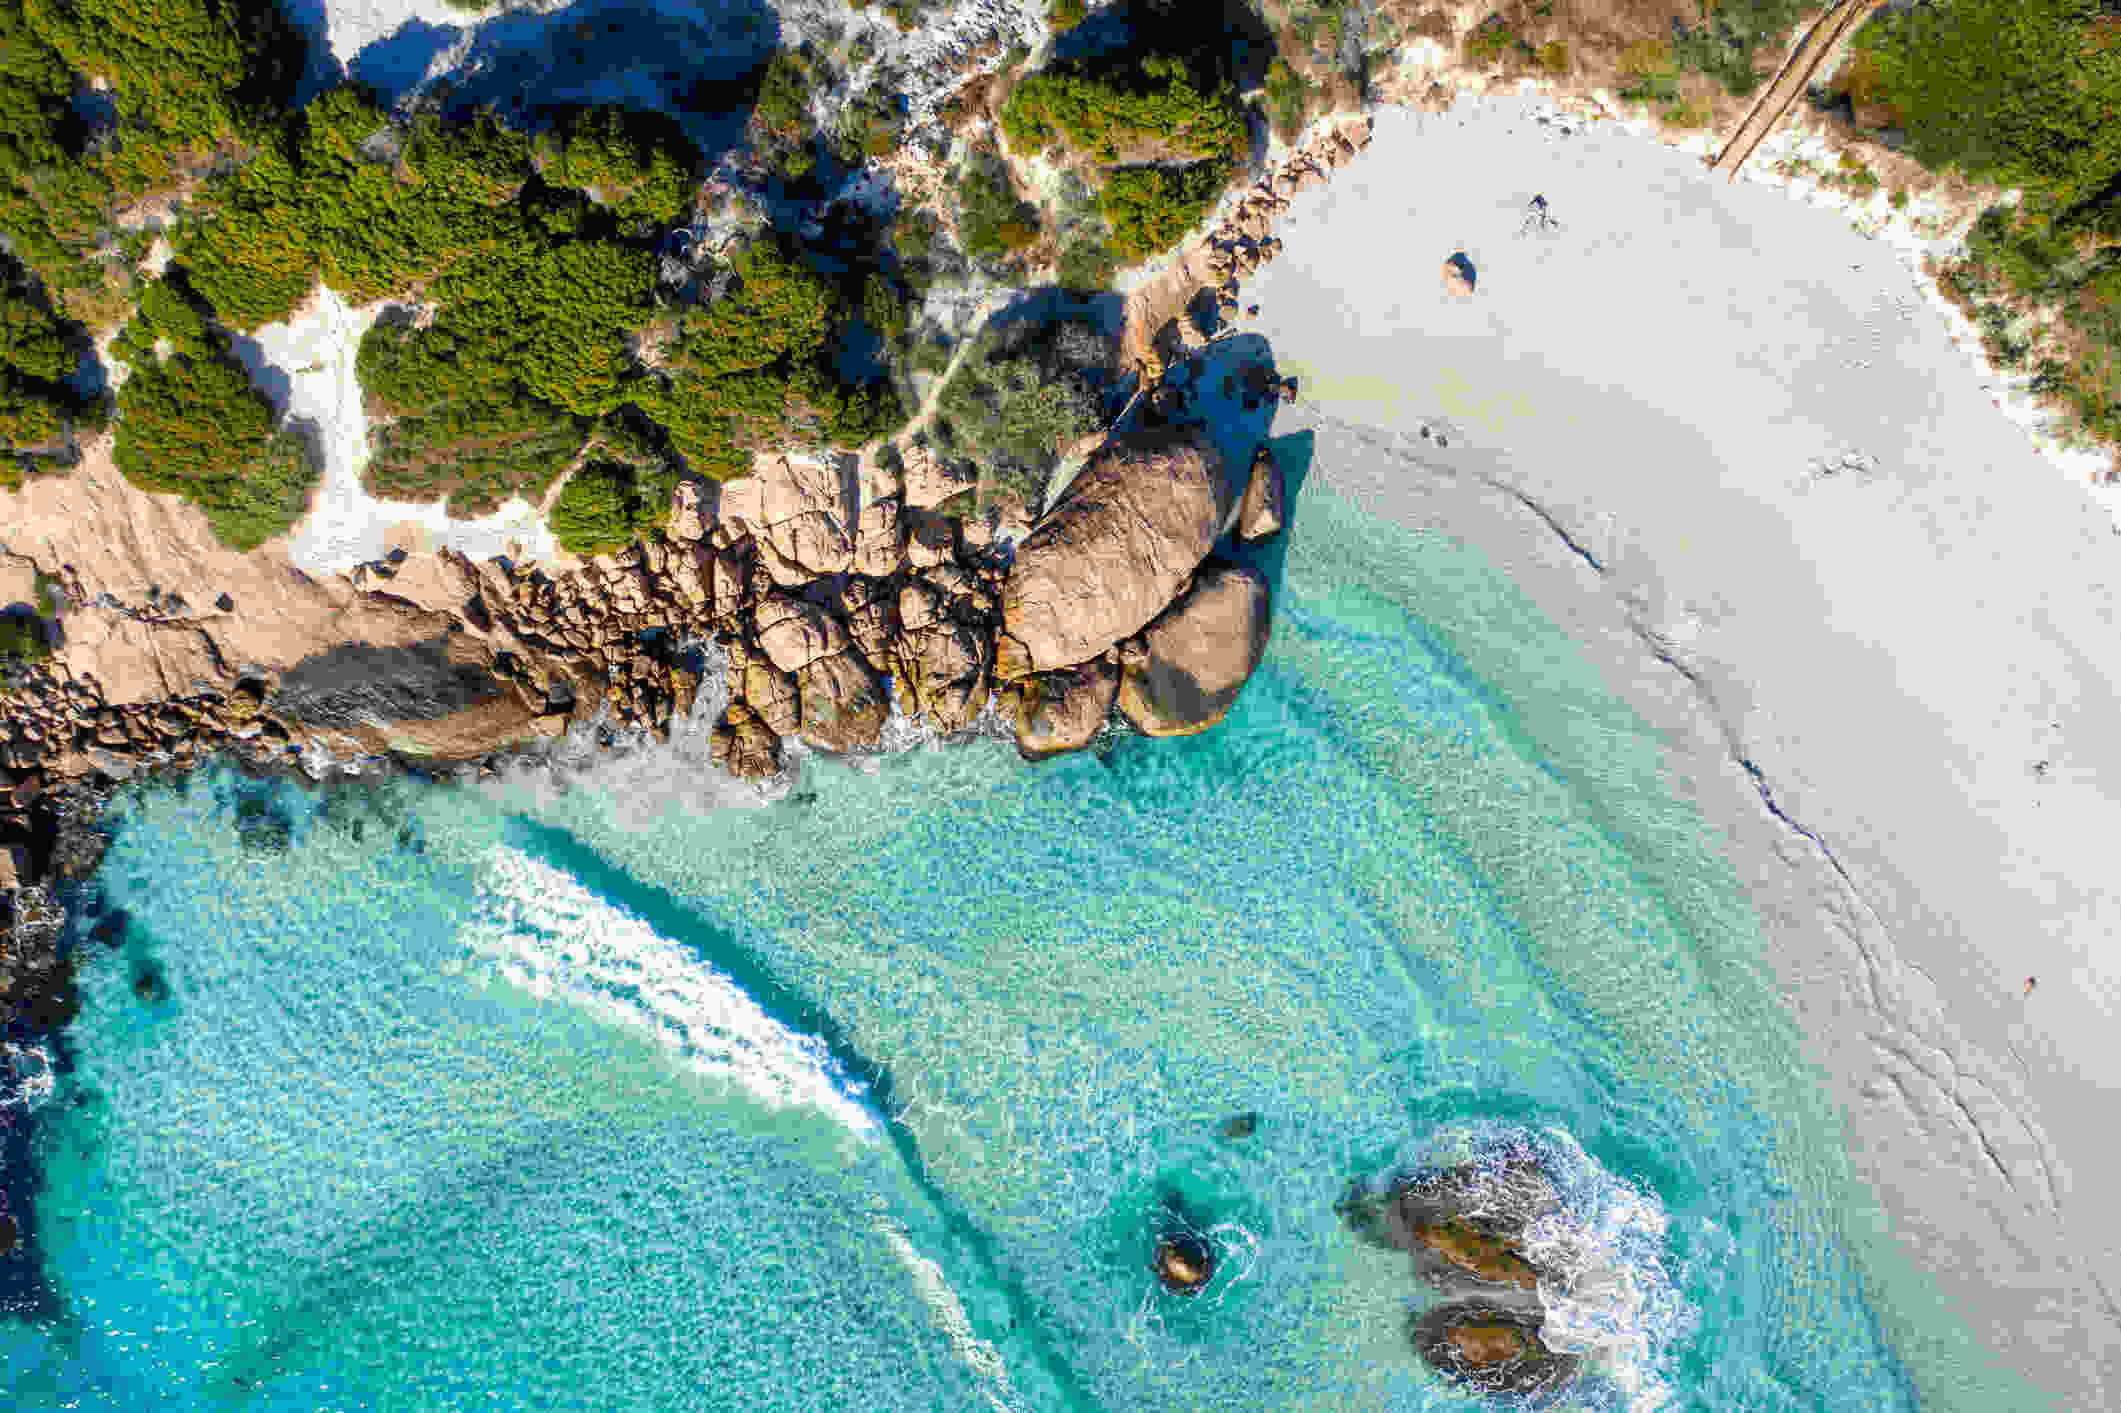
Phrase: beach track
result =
(1817, 46)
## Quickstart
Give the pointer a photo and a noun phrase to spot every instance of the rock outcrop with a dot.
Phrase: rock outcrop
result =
(1134, 523)
(1261, 515)
(1490, 1348)
(1466, 1228)
(1056, 712)
(1188, 666)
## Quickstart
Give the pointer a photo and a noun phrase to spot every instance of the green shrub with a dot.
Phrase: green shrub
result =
(1554, 57)
(1086, 265)
(1288, 100)
(1064, 15)
(1150, 209)
(192, 423)
(602, 508)
(1649, 73)
(38, 351)
(781, 111)
(321, 201)
(1018, 397)
(1728, 39)
(1144, 107)
(992, 221)
(2020, 92)
(187, 80)
(638, 164)
(778, 307)
(21, 639)
(474, 453)
(1491, 41)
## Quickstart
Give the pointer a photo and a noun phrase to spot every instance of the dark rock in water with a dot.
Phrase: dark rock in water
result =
(1463, 1224)
(150, 987)
(1491, 1348)
(1184, 1263)
(262, 824)
(110, 928)
(1242, 1126)
(8, 1232)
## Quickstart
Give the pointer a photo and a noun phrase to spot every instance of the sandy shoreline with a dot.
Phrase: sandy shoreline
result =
(1726, 443)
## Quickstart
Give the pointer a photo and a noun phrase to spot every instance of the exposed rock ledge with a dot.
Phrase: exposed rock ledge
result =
(823, 595)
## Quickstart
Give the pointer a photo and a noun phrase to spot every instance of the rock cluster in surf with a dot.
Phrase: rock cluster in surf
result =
(1466, 1229)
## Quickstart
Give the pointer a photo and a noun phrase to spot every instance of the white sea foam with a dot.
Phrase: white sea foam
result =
(949, 1315)
(546, 933)
(1609, 1296)
(26, 1079)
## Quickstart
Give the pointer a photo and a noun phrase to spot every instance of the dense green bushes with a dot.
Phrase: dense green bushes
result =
(993, 222)
(342, 196)
(604, 506)
(191, 423)
(2022, 92)
(38, 351)
(187, 82)
(1173, 121)
(750, 368)
(1151, 208)
(640, 165)
(1146, 108)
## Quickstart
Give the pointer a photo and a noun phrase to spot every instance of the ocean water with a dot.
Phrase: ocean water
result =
(620, 1087)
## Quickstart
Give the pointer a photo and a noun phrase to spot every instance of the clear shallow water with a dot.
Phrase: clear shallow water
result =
(600, 1098)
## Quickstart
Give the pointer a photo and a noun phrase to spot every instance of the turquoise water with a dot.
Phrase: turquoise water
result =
(624, 1095)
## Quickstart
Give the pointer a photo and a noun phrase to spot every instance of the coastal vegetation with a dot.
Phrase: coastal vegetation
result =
(191, 422)
(2023, 95)
(533, 254)
(39, 351)
(1021, 395)
(1158, 134)
(107, 103)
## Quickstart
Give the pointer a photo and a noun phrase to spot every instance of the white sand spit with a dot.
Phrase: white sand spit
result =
(307, 366)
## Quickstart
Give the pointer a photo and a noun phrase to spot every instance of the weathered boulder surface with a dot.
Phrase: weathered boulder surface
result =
(1137, 520)
(1261, 514)
(794, 632)
(1490, 1348)
(1190, 664)
(843, 708)
(1460, 1224)
(1061, 711)
(800, 508)
(742, 745)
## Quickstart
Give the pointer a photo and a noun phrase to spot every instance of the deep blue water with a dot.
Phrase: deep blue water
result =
(630, 1092)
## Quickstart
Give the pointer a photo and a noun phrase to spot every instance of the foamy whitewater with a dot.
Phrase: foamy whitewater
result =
(614, 1084)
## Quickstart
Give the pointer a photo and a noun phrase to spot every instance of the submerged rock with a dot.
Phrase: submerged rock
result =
(1489, 1347)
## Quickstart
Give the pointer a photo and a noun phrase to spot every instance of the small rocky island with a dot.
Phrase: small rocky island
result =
(1466, 1229)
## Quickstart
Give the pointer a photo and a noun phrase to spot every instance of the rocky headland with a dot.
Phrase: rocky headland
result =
(833, 585)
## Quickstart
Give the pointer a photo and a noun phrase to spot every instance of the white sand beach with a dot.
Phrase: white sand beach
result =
(1728, 444)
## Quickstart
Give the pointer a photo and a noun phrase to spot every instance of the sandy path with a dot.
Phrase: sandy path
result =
(1818, 45)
